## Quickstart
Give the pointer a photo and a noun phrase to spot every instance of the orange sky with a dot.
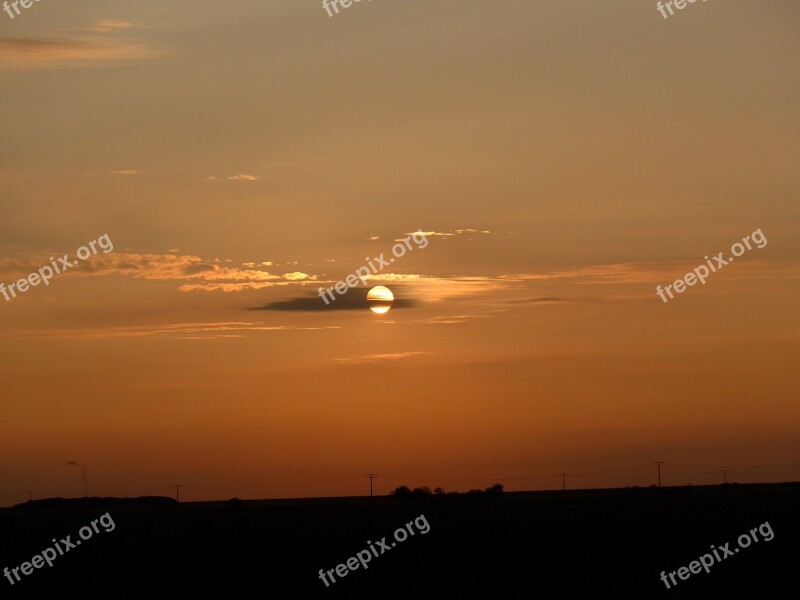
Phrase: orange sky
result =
(565, 158)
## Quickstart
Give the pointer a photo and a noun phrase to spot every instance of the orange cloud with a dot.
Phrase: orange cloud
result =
(205, 275)
(37, 54)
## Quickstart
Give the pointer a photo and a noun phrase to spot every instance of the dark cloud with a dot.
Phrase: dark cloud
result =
(354, 299)
(542, 300)
(195, 268)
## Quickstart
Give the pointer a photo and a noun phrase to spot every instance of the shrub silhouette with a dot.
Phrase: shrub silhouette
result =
(424, 492)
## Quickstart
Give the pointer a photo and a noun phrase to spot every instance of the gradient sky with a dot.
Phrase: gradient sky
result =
(565, 156)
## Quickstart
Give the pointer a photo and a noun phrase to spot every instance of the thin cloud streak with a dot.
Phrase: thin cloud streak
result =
(372, 358)
(177, 331)
(108, 25)
(23, 54)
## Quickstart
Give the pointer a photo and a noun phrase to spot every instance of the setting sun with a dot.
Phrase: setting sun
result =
(380, 299)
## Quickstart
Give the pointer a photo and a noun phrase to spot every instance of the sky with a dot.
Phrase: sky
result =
(562, 158)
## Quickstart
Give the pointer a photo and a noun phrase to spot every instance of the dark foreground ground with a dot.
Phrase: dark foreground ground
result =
(582, 544)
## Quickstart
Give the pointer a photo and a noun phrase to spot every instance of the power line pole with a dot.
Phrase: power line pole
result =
(563, 484)
(30, 495)
(371, 477)
(178, 492)
(72, 463)
(659, 463)
(725, 474)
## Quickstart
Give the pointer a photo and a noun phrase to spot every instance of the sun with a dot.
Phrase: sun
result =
(380, 299)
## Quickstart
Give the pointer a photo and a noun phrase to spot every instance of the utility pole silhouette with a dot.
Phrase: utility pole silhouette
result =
(725, 475)
(563, 484)
(30, 495)
(178, 492)
(659, 463)
(371, 477)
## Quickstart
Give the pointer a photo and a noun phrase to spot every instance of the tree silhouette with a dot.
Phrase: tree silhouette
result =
(401, 492)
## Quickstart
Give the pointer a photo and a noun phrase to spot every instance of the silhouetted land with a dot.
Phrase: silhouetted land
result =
(579, 544)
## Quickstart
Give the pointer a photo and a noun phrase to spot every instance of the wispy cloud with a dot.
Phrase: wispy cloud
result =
(434, 289)
(107, 25)
(239, 177)
(449, 319)
(193, 272)
(371, 358)
(21, 54)
(93, 45)
(447, 234)
(542, 300)
(632, 273)
(125, 172)
(188, 331)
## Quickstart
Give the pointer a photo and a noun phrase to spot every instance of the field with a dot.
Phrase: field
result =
(573, 544)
